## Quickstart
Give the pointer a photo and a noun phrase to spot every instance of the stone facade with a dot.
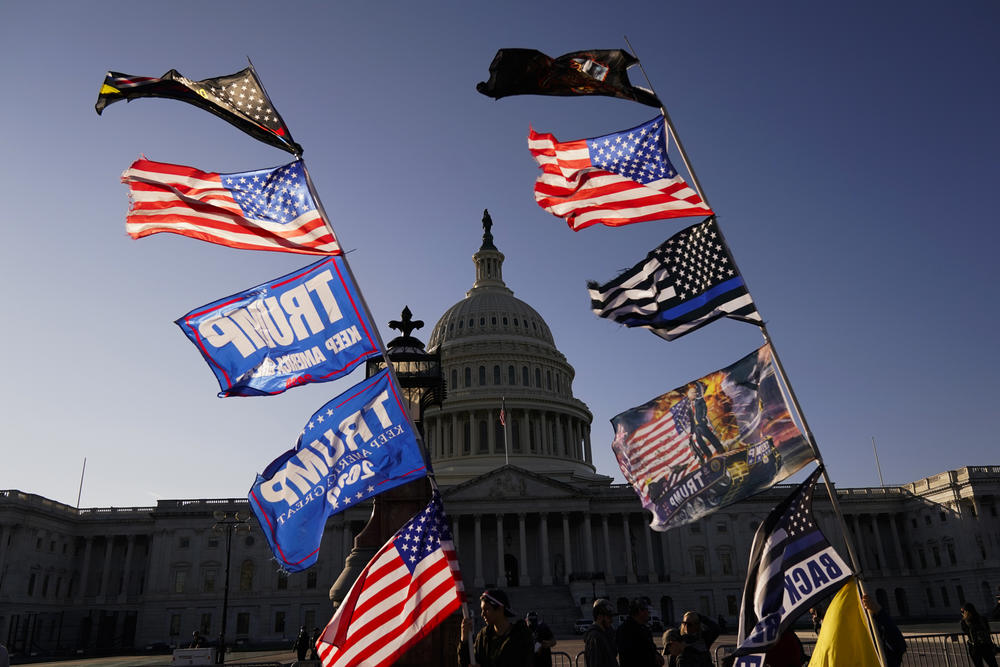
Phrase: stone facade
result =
(529, 513)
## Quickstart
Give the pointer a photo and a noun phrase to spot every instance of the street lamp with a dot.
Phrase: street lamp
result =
(228, 522)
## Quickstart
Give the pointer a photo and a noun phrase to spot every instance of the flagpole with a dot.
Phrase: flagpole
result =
(364, 303)
(82, 473)
(877, 464)
(503, 413)
(780, 367)
(673, 131)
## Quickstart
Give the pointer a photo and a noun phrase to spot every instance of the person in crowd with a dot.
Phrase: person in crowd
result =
(699, 631)
(679, 653)
(500, 643)
(979, 640)
(599, 649)
(313, 655)
(301, 645)
(544, 640)
(817, 620)
(635, 640)
(893, 643)
(196, 640)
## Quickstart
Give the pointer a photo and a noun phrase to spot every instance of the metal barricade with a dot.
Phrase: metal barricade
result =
(561, 659)
(937, 650)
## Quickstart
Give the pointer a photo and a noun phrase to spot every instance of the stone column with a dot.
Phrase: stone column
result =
(477, 579)
(588, 537)
(85, 570)
(560, 445)
(456, 525)
(586, 444)
(896, 544)
(127, 567)
(491, 432)
(522, 566)
(629, 570)
(501, 571)
(648, 539)
(456, 435)
(665, 549)
(110, 541)
(543, 535)
(567, 545)
(439, 435)
(877, 533)
(609, 570)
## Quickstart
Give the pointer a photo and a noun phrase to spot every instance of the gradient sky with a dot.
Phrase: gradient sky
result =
(849, 149)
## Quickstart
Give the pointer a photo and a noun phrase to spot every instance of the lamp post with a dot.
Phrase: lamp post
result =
(228, 522)
(422, 385)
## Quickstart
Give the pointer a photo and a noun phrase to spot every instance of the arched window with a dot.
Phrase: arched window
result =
(468, 376)
(525, 378)
(538, 378)
(454, 378)
(496, 375)
(246, 576)
(511, 376)
(482, 376)
(548, 380)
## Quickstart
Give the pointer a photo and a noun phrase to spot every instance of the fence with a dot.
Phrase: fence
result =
(941, 650)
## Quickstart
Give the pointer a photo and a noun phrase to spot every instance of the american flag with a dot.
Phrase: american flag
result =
(410, 586)
(789, 552)
(268, 209)
(687, 282)
(238, 98)
(659, 449)
(616, 179)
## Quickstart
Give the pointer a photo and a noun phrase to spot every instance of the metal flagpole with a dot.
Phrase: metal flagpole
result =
(877, 464)
(80, 492)
(503, 420)
(855, 563)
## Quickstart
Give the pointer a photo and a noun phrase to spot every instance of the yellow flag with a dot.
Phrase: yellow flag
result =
(844, 638)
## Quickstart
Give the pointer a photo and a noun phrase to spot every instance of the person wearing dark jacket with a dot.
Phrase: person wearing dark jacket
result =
(500, 643)
(978, 637)
(599, 648)
(893, 643)
(634, 639)
(679, 653)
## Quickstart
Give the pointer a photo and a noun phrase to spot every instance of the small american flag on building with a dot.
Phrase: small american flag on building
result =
(268, 209)
(615, 179)
(410, 586)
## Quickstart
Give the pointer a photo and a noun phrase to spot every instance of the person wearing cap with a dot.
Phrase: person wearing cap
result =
(544, 640)
(634, 639)
(699, 632)
(679, 653)
(599, 648)
(500, 643)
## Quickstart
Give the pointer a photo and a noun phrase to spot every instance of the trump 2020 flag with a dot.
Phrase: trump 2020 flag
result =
(410, 586)
(792, 567)
(354, 447)
(266, 209)
(709, 443)
(307, 326)
(688, 281)
(596, 72)
(616, 179)
(239, 99)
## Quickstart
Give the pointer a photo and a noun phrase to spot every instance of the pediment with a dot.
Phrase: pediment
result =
(512, 483)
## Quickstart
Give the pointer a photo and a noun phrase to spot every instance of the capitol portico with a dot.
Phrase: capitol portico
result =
(529, 512)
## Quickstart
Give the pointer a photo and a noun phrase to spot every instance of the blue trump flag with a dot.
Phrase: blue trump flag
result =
(354, 447)
(307, 326)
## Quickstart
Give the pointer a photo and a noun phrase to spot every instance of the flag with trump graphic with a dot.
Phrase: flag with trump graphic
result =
(354, 447)
(265, 209)
(709, 443)
(411, 585)
(307, 326)
(616, 179)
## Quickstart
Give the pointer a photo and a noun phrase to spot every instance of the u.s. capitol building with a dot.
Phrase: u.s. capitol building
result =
(535, 518)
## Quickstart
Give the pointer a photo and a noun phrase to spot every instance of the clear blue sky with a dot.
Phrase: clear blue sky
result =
(850, 150)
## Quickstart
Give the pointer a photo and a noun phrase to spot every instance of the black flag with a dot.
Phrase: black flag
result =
(238, 99)
(531, 72)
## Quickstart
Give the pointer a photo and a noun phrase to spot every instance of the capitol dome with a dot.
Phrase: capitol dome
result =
(498, 352)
